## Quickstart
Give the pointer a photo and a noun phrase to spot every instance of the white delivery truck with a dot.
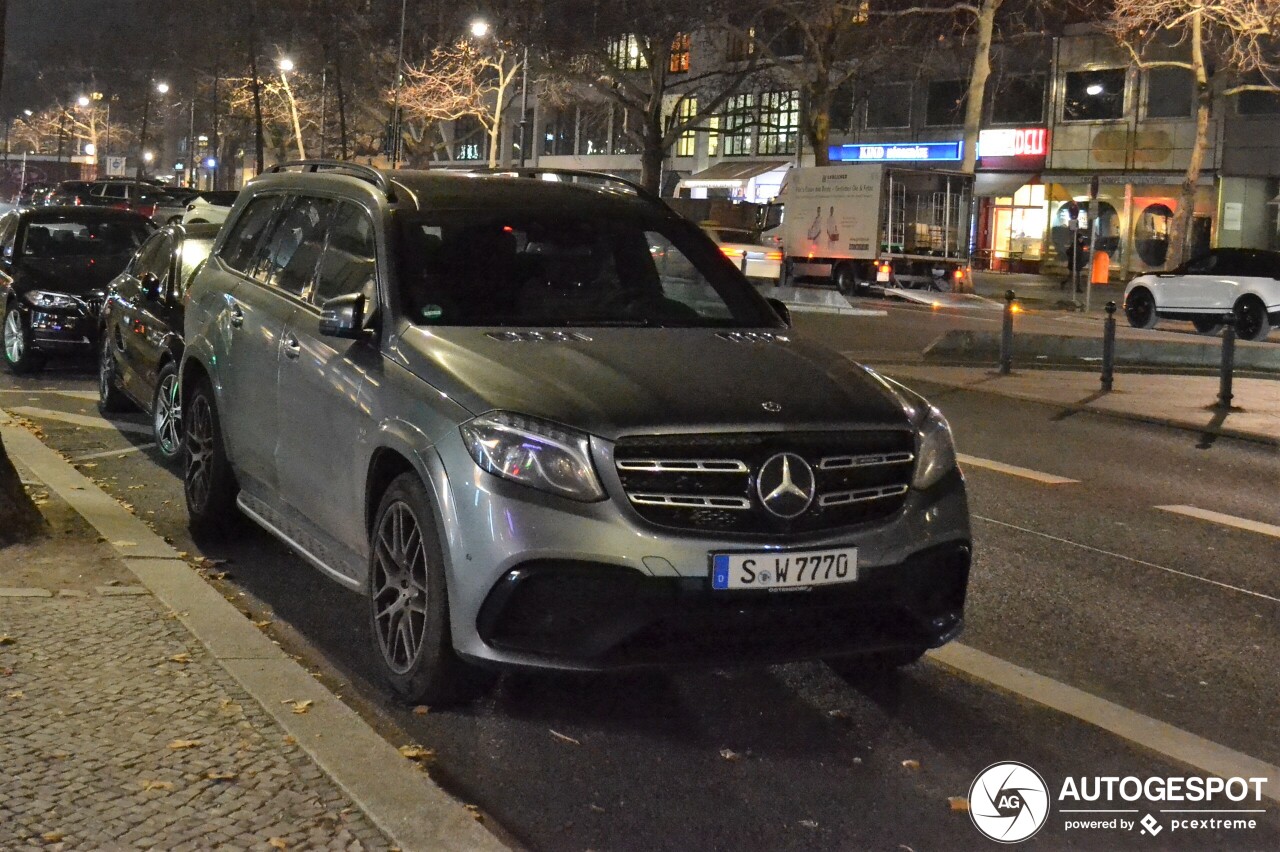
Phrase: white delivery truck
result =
(863, 224)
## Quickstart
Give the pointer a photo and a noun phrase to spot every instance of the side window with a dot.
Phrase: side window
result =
(117, 191)
(680, 279)
(293, 251)
(1204, 265)
(155, 257)
(98, 191)
(349, 261)
(243, 243)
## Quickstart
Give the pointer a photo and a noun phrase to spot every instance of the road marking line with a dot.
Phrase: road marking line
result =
(1160, 737)
(90, 395)
(1141, 562)
(1014, 470)
(106, 454)
(1225, 520)
(81, 420)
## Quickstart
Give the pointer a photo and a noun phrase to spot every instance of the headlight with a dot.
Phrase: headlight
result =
(937, 450)
(533, 452)
(45, 299)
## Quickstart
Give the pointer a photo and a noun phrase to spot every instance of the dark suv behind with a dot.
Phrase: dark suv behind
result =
(546, 423)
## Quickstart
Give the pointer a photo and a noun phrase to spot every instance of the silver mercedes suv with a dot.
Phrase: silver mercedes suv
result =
(539, 420)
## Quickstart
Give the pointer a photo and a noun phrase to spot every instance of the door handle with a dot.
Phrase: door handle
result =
(292, 349)
(237, 316)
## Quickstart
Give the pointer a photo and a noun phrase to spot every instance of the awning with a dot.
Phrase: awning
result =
(731, 174)
(1000, 184)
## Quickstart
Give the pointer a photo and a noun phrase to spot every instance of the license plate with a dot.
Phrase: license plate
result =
(784, 570)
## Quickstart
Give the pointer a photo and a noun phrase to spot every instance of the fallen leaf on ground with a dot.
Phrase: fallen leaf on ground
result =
(220, 575)
(288, 738)
(262, 624)
(838, 714)
(180, 744)
(730, 754)
(809, 823)
(14, 693)
(910, 764)
(278, 843)
(51, 836)
(421, 710)
(222, 776)
(418, 753)
(475, 812)
(300, 707)
(6, 672)
(958, 803)
(6, 639)
(563, 738)
(597, 809)
(124, 544)
(156, 785)
(184, 657)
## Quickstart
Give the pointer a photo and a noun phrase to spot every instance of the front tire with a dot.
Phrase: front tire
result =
(166, 414)
(409, 604)
(1140, 308)
(15, 343)
(209, 483)
(1252, 322)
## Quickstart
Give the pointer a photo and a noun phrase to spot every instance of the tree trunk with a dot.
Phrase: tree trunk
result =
(817, 125)
(20, 520)
(1180, 228)
(978, 82)
(342, 101)
(259, 147)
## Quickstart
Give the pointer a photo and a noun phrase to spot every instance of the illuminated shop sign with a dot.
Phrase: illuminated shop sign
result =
(899, 152)
(1013, 142)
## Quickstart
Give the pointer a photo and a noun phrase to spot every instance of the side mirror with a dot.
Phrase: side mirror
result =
(150, 286)
(780, 308)
(343, 316)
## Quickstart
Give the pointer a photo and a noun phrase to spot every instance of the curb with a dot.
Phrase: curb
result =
(401, 800)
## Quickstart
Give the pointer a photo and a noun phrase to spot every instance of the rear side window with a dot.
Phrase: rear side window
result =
(247, 235)
(1205, 265)
(155, 257)
(293, 250)
(349, 263)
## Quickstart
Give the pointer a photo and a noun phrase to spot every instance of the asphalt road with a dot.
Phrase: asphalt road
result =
(1088, 583)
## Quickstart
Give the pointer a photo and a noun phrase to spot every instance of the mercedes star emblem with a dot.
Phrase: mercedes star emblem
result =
(786, 485)
(771, 407)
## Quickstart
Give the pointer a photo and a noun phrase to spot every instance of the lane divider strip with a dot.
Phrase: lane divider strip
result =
(1225, 520)
(1014, 470)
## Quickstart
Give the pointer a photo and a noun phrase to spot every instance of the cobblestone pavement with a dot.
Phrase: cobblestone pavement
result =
(118, 731)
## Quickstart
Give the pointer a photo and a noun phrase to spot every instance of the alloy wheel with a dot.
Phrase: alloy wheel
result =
(167, 417)
(14, 345)
(399, 587)
(1139, 308)
(199, 450)
(1248, 319)
(106, 367)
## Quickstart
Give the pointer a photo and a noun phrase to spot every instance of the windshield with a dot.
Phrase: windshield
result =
(494, 268)
(64, 238)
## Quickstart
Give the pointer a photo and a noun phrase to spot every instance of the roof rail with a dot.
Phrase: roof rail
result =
(602, 177)
(357, 170)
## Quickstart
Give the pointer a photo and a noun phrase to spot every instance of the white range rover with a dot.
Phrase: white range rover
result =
(1245, 282)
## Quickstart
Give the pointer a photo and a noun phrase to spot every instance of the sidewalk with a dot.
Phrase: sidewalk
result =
(141, 709)
(1183, 402)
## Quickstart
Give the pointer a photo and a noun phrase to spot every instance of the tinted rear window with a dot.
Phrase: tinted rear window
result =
(52, 238)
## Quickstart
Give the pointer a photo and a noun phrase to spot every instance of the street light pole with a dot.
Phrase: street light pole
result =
(286, 65)
(162, 88)
(524, 103)
(395, 100)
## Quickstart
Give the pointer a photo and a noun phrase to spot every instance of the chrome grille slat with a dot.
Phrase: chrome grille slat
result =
(686, 501)
(861, 495)
(870, 460)
(683, 465)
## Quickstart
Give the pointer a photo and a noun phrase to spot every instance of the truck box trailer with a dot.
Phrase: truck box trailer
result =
(858, 225)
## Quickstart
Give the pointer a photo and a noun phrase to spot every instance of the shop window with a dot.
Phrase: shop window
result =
(1094, 95)
(945, 102)
(739, 116)
(624, 53)
(1169, 93)
(1151, 234)
(686, 145)
(889, 106)
(1018, 224)
(1018, 100)
(1108, 230)
(557, 138)
(779, 122)
(680, 49)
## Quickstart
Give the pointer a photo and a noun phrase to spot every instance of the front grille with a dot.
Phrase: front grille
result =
(707, 483)
(95, 304)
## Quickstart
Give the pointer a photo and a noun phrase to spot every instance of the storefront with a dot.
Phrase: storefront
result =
(1013, 212)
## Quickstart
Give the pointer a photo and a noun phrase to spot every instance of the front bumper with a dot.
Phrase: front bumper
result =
(542, 582)
(60, 331)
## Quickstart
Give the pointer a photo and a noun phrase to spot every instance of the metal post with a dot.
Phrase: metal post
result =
(1075, 262)
(1228, 360)
(1006, 335)
(524, 104)
(395, 100)
(1109, 347)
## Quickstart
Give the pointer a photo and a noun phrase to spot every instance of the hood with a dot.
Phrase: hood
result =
(613, 382)
(76, 276)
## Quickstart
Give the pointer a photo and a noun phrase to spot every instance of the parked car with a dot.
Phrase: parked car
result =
(55, 263)
(1244, 282)
(141, 340)
(33, 194)
(547, 425)
(71, 193)
(161, 203)
(753, 259)
(210, 206)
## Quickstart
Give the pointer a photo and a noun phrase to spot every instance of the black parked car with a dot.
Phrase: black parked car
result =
(141, 344)
(72, 193)
(55, 264)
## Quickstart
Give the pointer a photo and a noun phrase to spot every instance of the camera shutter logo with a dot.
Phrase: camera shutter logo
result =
(1009, 802)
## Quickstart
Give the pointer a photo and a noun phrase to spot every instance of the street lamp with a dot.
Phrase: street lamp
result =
(286, 65)
(479, 28)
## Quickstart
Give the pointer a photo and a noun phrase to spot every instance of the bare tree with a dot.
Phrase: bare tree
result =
(1228, 46)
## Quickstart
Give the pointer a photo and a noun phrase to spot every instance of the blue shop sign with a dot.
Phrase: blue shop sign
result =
(897, 152)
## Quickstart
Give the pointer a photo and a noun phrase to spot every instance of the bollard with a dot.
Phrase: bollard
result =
(1006, 335)
(1228, 360)
(1109, 347)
